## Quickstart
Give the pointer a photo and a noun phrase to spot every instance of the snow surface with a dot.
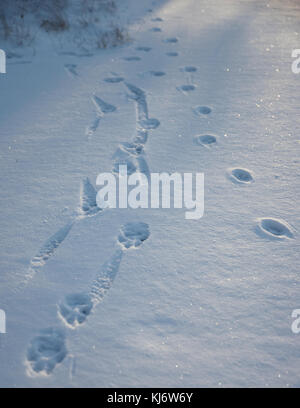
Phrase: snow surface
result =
(204, 86)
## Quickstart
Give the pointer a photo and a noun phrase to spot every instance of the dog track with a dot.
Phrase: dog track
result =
(45, 352)
(76, 308)
(133, 234)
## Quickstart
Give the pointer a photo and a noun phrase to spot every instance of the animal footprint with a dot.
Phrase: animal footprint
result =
(49, 247)
(189, 69)
(71, 69)
(114, 80)
(155, 29)
(130, 147)
(46, 351)
(101, 106)
(157, 73)
(205, 140)
(187, 88)
(88, 207)
(202, 110)
(241, 176)
(131, 154)
(158, 19)
(90, 130)
(274, 228)
(143, 121)
(133, 58)
(75, 309)
(106, 277)
(133, 234)
(145, 49)
(150, 123)
(171, 40)
(172, 54)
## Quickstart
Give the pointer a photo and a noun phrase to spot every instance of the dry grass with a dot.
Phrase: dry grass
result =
(20, 21)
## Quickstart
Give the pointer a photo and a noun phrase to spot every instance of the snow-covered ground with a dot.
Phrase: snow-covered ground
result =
(198, 302)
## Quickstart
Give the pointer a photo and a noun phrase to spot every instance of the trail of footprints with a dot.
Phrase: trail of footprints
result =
(48, 348)
(267, 227)
(76, 307)
(132, 153)
(87, 208)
